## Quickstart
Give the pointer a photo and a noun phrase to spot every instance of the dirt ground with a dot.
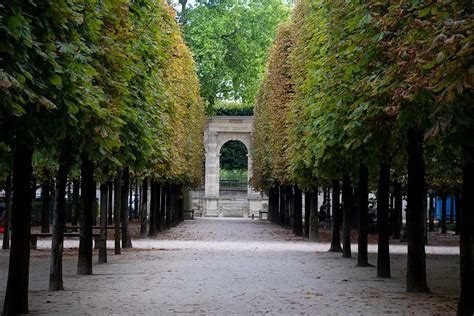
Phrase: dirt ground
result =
(239, 266)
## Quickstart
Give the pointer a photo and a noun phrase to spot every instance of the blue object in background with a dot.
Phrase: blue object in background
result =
(439, 206)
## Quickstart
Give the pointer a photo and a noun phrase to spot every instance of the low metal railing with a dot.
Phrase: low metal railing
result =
(232, 185)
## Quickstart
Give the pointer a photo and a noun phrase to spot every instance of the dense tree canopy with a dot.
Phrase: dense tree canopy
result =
(233, 156)
(229, 40)
(379, 86)
(272, 111)
(121, 93)
(107, 86)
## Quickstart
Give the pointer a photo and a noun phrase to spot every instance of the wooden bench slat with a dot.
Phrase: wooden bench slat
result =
(65, 235)
(34, 237)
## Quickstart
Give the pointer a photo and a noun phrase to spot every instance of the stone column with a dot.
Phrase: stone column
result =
(211, 188)
(254, 198)
(251, 193)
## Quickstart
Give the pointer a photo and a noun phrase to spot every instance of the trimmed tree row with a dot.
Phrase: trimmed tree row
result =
(94, 95)
(365, 97)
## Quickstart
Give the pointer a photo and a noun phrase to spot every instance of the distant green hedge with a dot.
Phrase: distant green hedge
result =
(231, 109)
(239, 175)
(248, 111)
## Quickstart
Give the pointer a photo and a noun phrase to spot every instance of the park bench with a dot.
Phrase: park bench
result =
(260, 214)
(34, 237)
(192, 213)
(76, 228)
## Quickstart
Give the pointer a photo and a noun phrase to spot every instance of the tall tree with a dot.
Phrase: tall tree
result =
(84, 261)
(347, 193)
(104, 187)
(59, 219)
(363, 196)
(8, 209)
(16, 297)
(124, 210)
(336, 218)
(229, 40)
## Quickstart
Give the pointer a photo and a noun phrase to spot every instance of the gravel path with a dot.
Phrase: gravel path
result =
(237, 266)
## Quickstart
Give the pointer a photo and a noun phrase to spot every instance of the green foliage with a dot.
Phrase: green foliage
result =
(229, 40)
(261, 167)
(236, 175)
(278, 89)
(233, 156)
(230, 109)
(110, 79)
(364, 73)
(185, 110)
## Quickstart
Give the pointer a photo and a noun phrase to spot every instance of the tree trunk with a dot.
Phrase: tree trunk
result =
(8, 212)
(307, 213)
(46, 201)
(363, 197)
(162, 212)
(168, 205)
(179, 203)
(33, 187)
(392, 215)
(158, 215)
(346, 216)
(466, 245)
(270, 205)
(327, 206)
(282, 205)
(153, 206)
(124, 210)
(130, 201)
(59, 221)
(95, 207)
(69, 201)
(135, 205)
(312, 209)
(16, 296)
(117, 208)
(173, 200)
(76, 206)
(143, 208)
(443, 214)
(110, 203)
(171, 204)
(104, 188)
(182, 18)
(290, 198)
(416, 267)
(457, 222)
(297, 212)
(355, 207)
(398, 210)
(383, 224)
(336, 218)
(84, 263)
(273, 205)
(432, 213)
(276, 207)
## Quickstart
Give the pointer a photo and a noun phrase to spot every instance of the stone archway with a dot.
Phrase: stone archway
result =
(219, 130)
(236, 159)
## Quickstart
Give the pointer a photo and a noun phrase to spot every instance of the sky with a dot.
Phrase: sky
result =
(177, 6)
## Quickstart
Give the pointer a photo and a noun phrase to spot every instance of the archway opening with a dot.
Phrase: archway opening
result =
(233, 162)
